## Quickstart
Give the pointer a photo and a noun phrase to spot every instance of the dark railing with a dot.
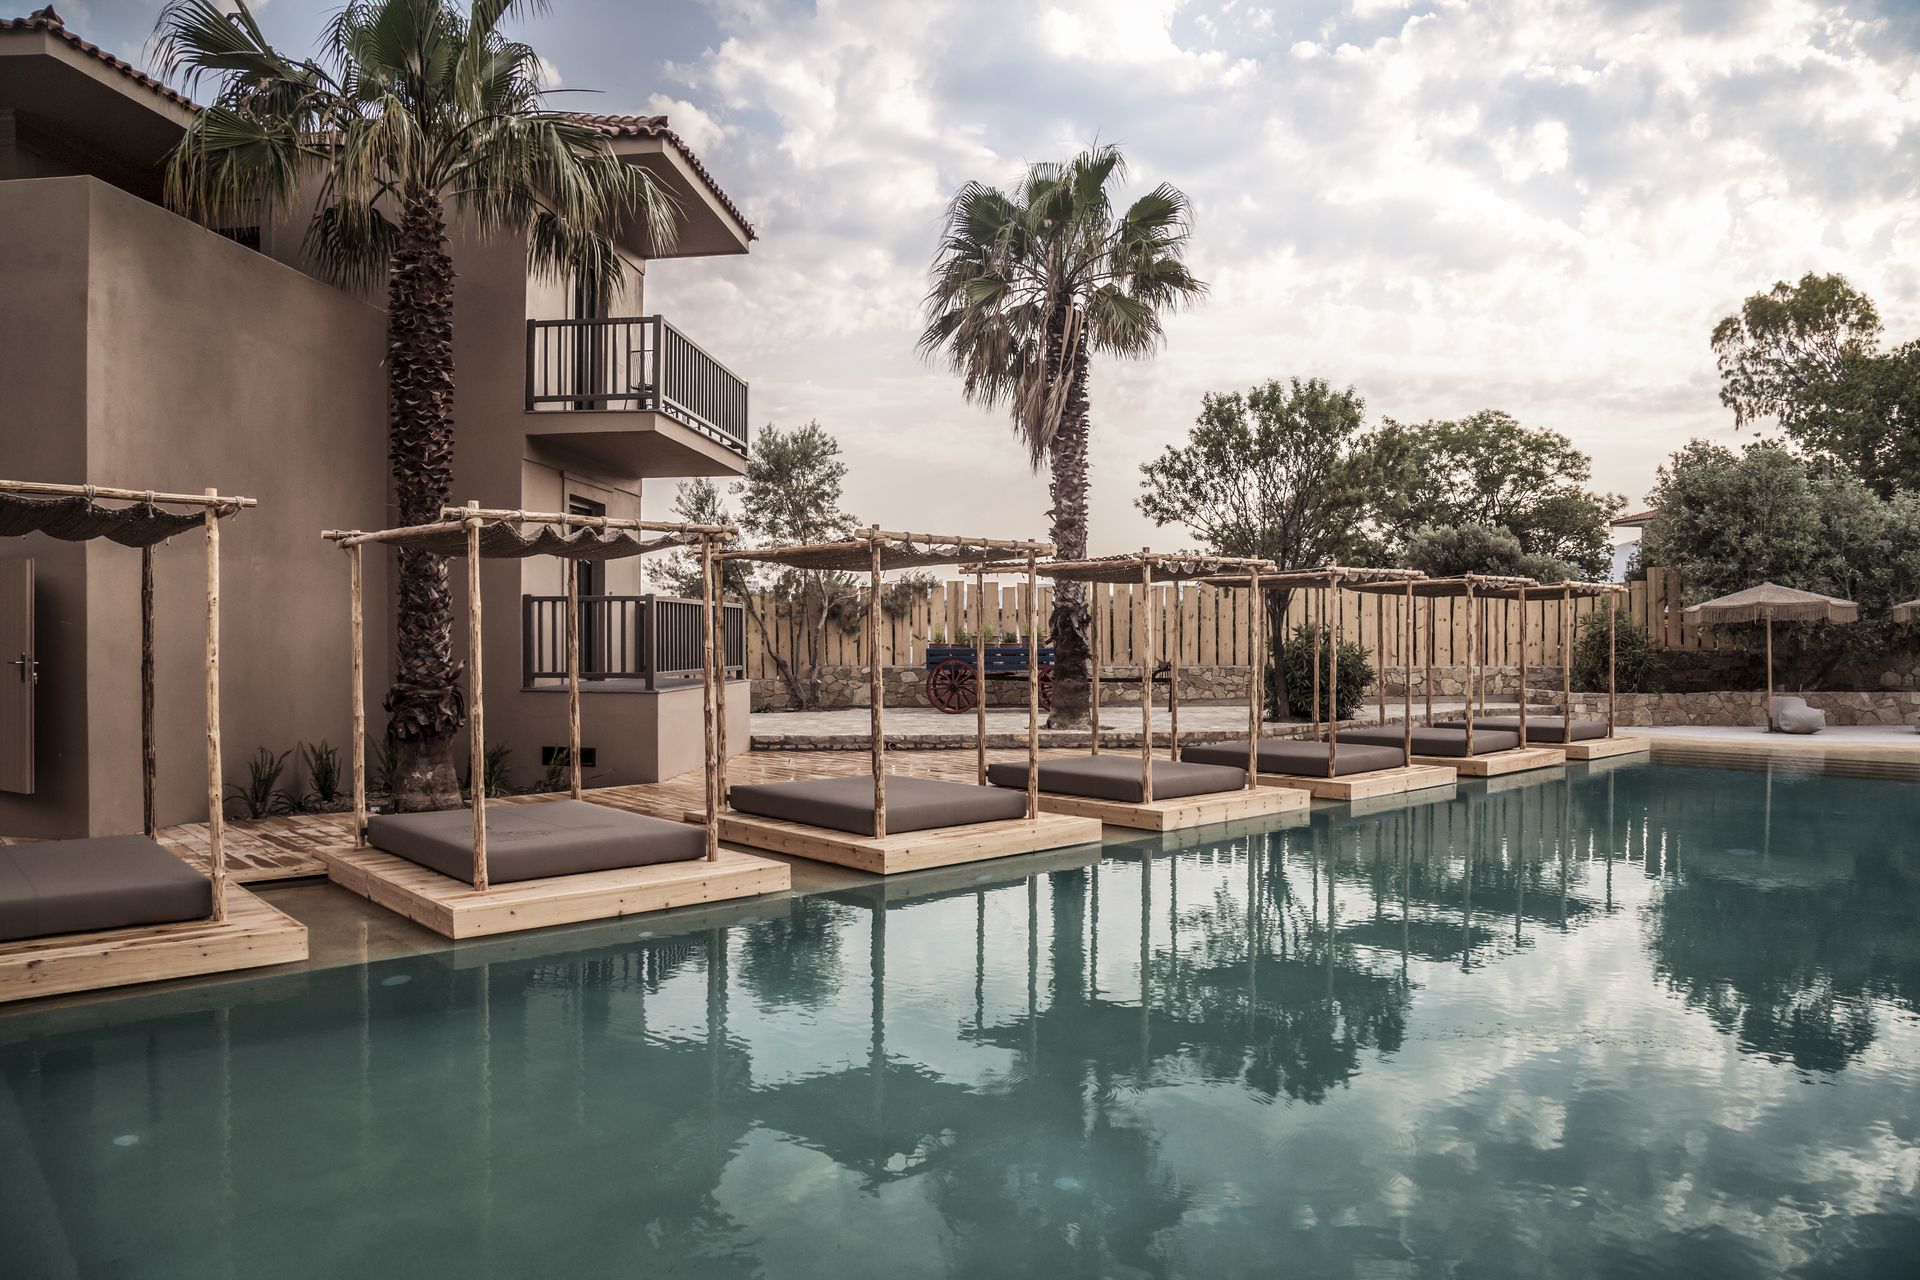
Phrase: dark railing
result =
(642, 638)
(634, 362)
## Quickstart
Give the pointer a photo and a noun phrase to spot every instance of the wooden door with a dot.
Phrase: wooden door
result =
(19, 672)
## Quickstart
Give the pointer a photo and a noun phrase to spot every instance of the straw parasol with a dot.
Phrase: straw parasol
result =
(1770, 601)
(1907, 611)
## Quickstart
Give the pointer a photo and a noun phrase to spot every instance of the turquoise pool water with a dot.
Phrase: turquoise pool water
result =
(1653, 1021)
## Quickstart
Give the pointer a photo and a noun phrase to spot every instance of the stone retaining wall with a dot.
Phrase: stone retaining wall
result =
(1722, 708)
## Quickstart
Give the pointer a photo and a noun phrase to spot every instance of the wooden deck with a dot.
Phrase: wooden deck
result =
(254, 934)
(1495, 764)
(454, 909)
(913, 851)
(1367, 786)
(1607, 748)
(1184, 812)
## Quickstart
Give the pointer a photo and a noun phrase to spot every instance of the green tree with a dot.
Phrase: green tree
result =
(1807, 355)
(1282, 472)
(790, 495)
(412, 106)
(1025, 287)
(1490, 470)
(1724, 521)
(1448, 551)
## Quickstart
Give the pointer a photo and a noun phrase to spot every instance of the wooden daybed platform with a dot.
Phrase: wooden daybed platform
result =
(1359, 773)
(913, 850)
(251, 935)
(1064, 781)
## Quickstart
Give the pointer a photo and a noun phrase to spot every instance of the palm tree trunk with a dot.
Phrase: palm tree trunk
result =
(1067, 487)
(426, 710)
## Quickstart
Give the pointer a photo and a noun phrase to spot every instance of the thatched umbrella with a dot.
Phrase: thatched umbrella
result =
(1907, 611)
(1769, 601)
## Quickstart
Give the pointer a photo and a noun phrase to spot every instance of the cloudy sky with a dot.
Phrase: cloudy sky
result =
(1540, 207)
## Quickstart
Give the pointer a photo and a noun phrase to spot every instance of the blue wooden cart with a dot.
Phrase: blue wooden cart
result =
(954, 681)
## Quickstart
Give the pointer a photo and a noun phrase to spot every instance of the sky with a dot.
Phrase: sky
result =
(1540, 206)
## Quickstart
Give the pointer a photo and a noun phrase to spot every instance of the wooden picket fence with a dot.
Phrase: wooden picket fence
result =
(1212, 624)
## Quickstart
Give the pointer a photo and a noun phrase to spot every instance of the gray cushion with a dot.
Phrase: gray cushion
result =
(106, 882)
(1435, 741)
(1540, 729)
(1793, 715)
(846, 804)
(1299, 759)
(1117, 777)
(534, 841)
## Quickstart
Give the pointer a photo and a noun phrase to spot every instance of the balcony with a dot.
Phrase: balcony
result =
(627, 643)
(637, 365)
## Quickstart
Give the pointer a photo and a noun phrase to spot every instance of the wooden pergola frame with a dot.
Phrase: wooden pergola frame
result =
(214, 506)
(1147, 568)
(875, 551)
(469, 522)
(1521, 592)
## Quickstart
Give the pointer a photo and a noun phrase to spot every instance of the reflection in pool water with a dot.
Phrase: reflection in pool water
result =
(1642, 1021)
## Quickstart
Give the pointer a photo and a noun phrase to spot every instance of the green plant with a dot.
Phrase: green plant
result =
(1636, 661)
(898, 598)
(494, 772)
(262, 797)
(1297, 657)
(323, 771)
(559, 775)
(379, 767)
(412, 114)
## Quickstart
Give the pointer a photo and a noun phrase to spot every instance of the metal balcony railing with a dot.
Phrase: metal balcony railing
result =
(635, 638)
(634, 362)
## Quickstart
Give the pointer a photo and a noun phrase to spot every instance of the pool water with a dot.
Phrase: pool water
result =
(1640, 1021)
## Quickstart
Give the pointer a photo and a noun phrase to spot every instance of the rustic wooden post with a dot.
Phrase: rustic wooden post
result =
(1318, 617)
(1097, 591)
(1332, 596)
(476, 709)
(1173, 677)
(718, 621)
(1145, 653)
(356, 565)
(980, 682)
(148, 764)
(573, 676)
(1256, 674)
(1566, 668)
(876, 690)
(1473, 660)
(216, 817)
(1380, 637)
(1406, 730)
(1428, 678)
(1769, 671)
(1522, 606)
(1612, 614)
(1033, 687)
(710, 744)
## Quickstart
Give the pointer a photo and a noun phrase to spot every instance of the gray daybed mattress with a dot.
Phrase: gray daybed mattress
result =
(1435, 741)
(1542, 731)
(1298, 759)
(106, 882)
(846, 804)
(534, 841)
(1117, 777)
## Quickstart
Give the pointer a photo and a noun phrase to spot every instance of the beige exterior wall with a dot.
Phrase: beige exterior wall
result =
(183, 360)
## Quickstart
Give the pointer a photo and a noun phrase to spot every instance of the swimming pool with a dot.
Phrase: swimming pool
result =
(1642, 1020)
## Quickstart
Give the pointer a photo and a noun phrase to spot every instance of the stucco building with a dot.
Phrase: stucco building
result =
(144, 350)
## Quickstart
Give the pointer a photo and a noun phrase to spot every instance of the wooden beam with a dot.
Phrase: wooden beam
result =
(1406, 692)
(500, 515)
(711, 676)
(980, 683)
(1566, 668)
(1256, 675)
(216, 800)
(148, 764)
(1099, 596)
(1033, 687)
(476, 709)
(357, 640)
(1173, 676)
(1144, 637)
(210, 498)
(1333, 678)
(1522, 606)
(573, 677)
(876, 694)
(1473, 669)
(1612, 614)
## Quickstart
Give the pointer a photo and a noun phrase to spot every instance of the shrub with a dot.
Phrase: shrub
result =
(323, 771)
(262, 797)
(1297, 660)
(494, 772)
(379, 767)
(1636, 661)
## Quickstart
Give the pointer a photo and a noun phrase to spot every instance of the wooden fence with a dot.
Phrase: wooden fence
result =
(1213, 624)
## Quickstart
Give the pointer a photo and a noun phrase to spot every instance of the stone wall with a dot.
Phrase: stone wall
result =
(1881, 707)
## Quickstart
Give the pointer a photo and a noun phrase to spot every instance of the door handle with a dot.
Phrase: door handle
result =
(29, 669)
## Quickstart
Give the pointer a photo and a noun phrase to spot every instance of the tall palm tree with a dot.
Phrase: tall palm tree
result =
(410, 107)
(1025, 287)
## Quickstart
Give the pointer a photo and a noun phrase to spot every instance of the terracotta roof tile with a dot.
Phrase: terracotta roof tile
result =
(617, 126)
(52, 23)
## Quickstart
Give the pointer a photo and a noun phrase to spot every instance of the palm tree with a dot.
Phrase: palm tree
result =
(411, 106)
(1026, 286)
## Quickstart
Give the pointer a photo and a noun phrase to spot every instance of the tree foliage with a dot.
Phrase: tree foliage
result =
(1636, 662)
(1443, 551)
(1490, 470)
(1025, 286)
(1807, 355)
(1300, 661)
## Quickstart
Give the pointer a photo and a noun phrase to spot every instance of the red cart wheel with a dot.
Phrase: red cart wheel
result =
(951, 686)
(1046, 688)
